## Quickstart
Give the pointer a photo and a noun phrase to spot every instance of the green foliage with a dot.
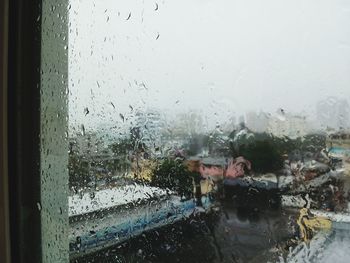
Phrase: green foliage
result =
(264, 156)
(173, 174)
(78, 171)
(313, 142)
(217, 145)
(122, 147)
(136, 139)
(194, 145)
(133, 143)
(265, 150)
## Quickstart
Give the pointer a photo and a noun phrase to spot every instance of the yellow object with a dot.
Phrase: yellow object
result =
(309, 224)
(207, 186)
(144, 169)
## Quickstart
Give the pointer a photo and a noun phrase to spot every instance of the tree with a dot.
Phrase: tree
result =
(122, 147)
(78, 171)
(195, 144)
(264, 156)
(173, 174)
(262, 149)
(313, 143)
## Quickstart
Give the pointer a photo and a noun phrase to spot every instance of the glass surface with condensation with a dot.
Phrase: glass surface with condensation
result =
(209, 131)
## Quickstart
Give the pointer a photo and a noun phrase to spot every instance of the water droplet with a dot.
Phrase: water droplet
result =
(39, 206)
(82, 130)
(86, 111)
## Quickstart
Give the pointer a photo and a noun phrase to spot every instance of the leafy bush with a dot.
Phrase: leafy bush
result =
(78, 171)
(264, 156)
(173, 174)
(313, 142)
(265, 151)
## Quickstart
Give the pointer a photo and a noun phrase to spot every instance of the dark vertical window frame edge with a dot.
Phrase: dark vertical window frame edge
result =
(38, 124)
(24, 58)
(4, 194)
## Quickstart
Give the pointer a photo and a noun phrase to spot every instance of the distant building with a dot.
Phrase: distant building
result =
(149, 125)
(217, 168)
(288, 125)
(213, 168)
(257, 122)
(333, 113)
(188, 123)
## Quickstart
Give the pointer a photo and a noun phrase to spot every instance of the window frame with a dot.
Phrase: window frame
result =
(23, 130)
(36, 228)
(4, 193)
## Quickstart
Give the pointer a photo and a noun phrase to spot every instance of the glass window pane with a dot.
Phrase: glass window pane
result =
(208, 131)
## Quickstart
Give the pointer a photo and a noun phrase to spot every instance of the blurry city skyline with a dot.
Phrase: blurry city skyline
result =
(333, 115)
(219, 59)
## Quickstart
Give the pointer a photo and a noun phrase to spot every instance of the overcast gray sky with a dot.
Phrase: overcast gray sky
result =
(214, 56)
